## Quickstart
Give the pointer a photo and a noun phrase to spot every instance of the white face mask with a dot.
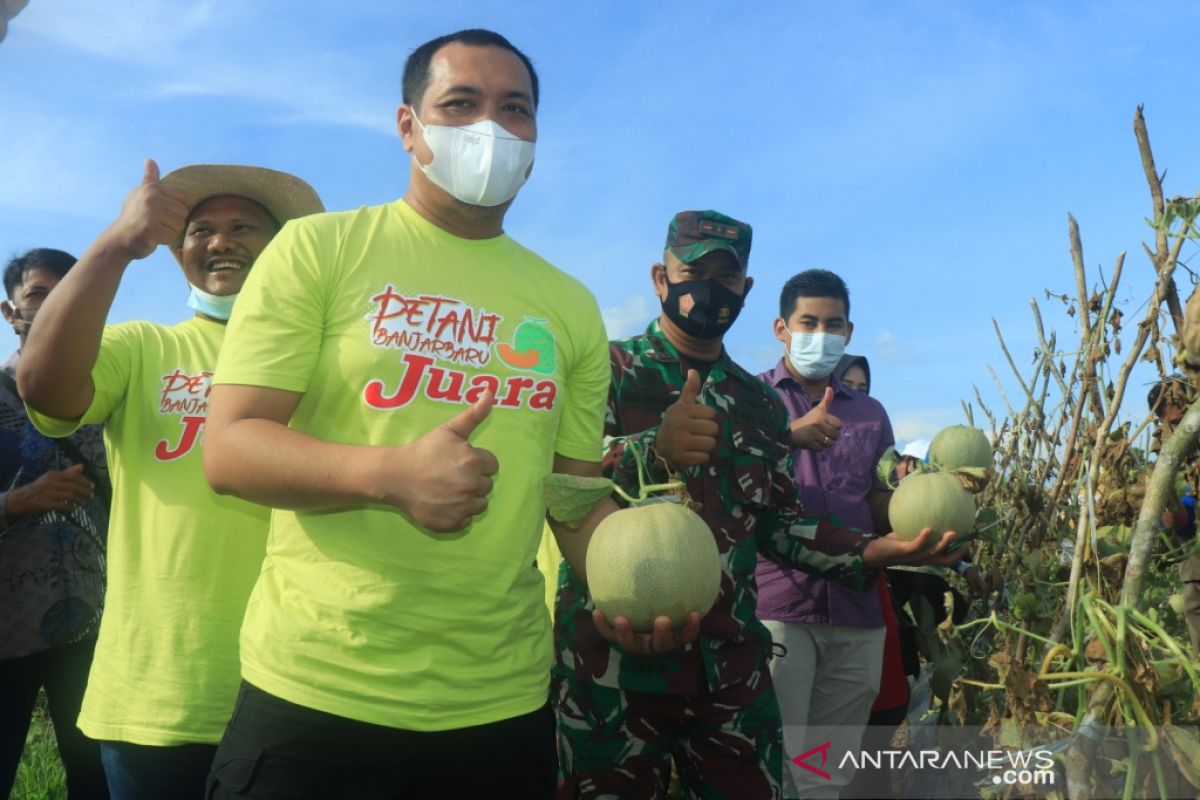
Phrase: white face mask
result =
(814, 355)
(216, 306)
(481, 164)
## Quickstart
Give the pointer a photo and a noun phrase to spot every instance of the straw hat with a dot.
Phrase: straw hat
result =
(282, 194)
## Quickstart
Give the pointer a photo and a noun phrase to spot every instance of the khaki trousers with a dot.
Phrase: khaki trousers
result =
(826, 683)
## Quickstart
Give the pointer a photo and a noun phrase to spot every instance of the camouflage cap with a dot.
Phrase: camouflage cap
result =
(692, 234)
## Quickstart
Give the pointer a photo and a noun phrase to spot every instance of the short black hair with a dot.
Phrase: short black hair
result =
(812, 283)
(416, 68)
(47, 258)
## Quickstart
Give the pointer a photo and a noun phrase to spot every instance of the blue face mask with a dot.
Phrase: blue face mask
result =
(211, 305)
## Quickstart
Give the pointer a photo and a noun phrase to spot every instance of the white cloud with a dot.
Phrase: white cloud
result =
(889, 350)
(628, 318)
(166, 43)
(130, 32)
(923, 423)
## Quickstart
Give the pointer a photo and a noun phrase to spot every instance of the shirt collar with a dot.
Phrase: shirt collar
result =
(779, 375)
(663, 351)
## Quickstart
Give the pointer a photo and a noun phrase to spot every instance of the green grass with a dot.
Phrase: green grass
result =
(40, 775)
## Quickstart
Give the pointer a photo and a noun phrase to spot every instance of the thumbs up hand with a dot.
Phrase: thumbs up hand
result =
(688, 433)
(153, 214)
(819, 428)
(449, 479)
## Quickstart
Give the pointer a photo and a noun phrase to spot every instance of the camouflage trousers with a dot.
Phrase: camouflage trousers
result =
(619, 745)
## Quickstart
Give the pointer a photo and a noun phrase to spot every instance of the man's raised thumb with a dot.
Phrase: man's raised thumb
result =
(691, 388)
(151, 175)
(471, 417)
(827, 399)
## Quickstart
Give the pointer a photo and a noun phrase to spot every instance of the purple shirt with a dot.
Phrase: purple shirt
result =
(834, 481)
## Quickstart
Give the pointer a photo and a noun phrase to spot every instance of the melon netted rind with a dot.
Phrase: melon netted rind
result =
(569, 498)
(960, 446)
(659, 559)
(931, 500)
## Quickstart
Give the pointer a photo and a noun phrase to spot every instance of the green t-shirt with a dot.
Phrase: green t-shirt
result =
(181, 559)
(389, 326)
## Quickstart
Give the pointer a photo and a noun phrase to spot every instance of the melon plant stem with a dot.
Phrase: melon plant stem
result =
(1090, 353)
(1159, 778)
(1083, 748)
(1012, 364)
(645, 490)
(1060, 629)
(1159, 488)
(1161, 638)
(1131, 772)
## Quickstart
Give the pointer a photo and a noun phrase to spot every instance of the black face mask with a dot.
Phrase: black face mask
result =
(713, 310)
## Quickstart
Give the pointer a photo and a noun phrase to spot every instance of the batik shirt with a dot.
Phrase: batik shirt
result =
(52, 564)
(747, 497)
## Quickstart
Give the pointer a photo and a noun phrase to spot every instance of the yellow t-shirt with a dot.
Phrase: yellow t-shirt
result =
(389, 326)
(549, 556)
(181, 559)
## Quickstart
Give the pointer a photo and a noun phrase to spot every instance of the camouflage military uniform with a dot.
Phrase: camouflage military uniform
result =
(709, 705)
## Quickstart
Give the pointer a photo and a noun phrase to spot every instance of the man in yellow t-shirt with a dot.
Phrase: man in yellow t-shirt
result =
(181, 559)
(398, 381)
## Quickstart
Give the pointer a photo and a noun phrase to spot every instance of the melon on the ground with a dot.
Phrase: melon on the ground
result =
(931, 500)
(960, 446)
(659, 559)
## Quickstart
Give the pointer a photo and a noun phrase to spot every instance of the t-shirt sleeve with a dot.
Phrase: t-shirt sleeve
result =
(110, 376)
(581, 427)
(274, 334)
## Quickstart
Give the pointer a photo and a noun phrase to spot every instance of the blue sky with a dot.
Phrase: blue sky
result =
(928, 152)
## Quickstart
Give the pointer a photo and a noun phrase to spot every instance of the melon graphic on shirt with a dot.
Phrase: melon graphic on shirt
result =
(532, 347)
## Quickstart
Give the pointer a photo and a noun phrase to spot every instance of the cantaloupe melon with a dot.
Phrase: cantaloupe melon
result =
(658, 559)
(931, 500)
(960, 446)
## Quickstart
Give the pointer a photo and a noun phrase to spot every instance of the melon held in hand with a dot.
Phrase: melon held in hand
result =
(654, 560)
(931, 500)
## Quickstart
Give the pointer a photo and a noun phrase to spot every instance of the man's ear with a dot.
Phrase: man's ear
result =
(749, 285)
(658, 276)
(8, 311)
(404, 126)
(849, 331)
(781, 331)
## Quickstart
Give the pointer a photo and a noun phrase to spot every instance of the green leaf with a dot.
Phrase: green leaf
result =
(1186, 750)
(985, 518)
(1010, 733)
(1168, 217)
(885, 470)
(570, 498)
(945, 671)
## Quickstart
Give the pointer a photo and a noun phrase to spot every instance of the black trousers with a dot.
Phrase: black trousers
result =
(273, 748)
(63, 672)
